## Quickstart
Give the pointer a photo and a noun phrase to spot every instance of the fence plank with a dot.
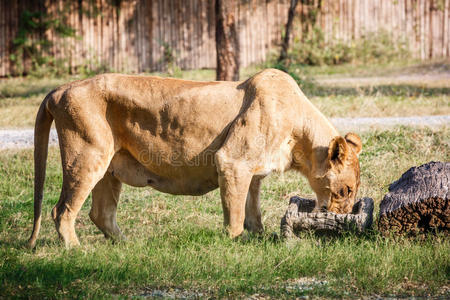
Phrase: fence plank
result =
(131, 37)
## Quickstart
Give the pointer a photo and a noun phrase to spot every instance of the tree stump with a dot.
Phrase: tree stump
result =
(299, 217)
(418, 201)
(227, 40)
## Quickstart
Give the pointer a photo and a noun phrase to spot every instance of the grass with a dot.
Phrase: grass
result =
(20, 97)
(337, 105)
(178, 242)
(396, 67)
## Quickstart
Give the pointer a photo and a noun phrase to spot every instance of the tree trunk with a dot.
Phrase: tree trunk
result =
(227, 42)
(418, 201)
(287, 35)
(300, 218)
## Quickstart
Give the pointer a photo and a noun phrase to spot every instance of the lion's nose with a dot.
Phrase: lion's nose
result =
(333, 207)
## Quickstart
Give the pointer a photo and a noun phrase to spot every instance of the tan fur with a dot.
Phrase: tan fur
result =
(188, 138)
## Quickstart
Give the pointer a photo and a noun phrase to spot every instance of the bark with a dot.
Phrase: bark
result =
(299, 218)
(418, 201)
(227, 42)
(287, 36)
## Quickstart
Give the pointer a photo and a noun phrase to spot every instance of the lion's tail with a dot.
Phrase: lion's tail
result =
(41, 135)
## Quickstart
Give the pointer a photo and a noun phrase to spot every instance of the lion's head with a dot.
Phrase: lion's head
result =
(336, 186)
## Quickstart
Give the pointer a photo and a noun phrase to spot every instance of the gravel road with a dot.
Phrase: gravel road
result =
(23, 138)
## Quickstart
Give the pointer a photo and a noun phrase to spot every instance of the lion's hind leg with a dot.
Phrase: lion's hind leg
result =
(83, 164)
(105, 197)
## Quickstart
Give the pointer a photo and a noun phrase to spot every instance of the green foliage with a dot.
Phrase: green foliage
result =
(31, 43)
(373, 48)
(92, 66)
(169, 60)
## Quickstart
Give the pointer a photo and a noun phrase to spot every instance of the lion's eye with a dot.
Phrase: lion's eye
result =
(342, 192)
(349, 190)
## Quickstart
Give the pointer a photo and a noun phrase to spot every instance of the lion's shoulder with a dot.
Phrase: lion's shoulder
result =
(273, 87)
(272, 81)
(271, 75)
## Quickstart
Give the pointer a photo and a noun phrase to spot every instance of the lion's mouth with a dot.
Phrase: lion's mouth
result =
(341, 206)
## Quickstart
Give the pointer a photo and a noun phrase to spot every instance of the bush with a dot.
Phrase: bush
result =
(307, 84)
(377, 47)
(32, 44)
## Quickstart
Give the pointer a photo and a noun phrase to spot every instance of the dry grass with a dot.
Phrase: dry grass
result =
(398, 90)
(382, 106)
(420, 80)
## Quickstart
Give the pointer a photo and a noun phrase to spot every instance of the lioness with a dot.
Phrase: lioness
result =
(187, 138)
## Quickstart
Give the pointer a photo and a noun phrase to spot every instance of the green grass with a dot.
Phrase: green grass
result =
(178, 241)
(395, 67)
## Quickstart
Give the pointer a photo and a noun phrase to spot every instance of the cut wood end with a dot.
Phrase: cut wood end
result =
(418, 201)
(432, 214)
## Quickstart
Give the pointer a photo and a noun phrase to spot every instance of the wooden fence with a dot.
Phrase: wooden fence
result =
(140, 35)
(137, 36)
(423, 24)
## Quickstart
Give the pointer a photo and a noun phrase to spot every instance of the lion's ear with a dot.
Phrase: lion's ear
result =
(338, 152)
(354, 141)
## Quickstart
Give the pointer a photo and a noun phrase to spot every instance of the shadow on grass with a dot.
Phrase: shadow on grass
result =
(432, 67)
(327, 238)
(309, 86)
(45, 278)
(402, 90)
(79, 273)
(27, 92)
(312, 88)
(30, 87)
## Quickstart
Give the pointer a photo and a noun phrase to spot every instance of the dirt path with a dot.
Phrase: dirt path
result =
(23, 138)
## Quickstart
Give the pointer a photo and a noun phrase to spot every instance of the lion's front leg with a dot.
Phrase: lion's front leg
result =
(234, 181)
(253, 221)
(105, 197)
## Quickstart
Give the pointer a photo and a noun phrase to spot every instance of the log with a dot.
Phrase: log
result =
(418, 202)
(300, 218)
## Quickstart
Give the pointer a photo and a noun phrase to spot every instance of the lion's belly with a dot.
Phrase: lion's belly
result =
(171, 129)
(186, 180)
